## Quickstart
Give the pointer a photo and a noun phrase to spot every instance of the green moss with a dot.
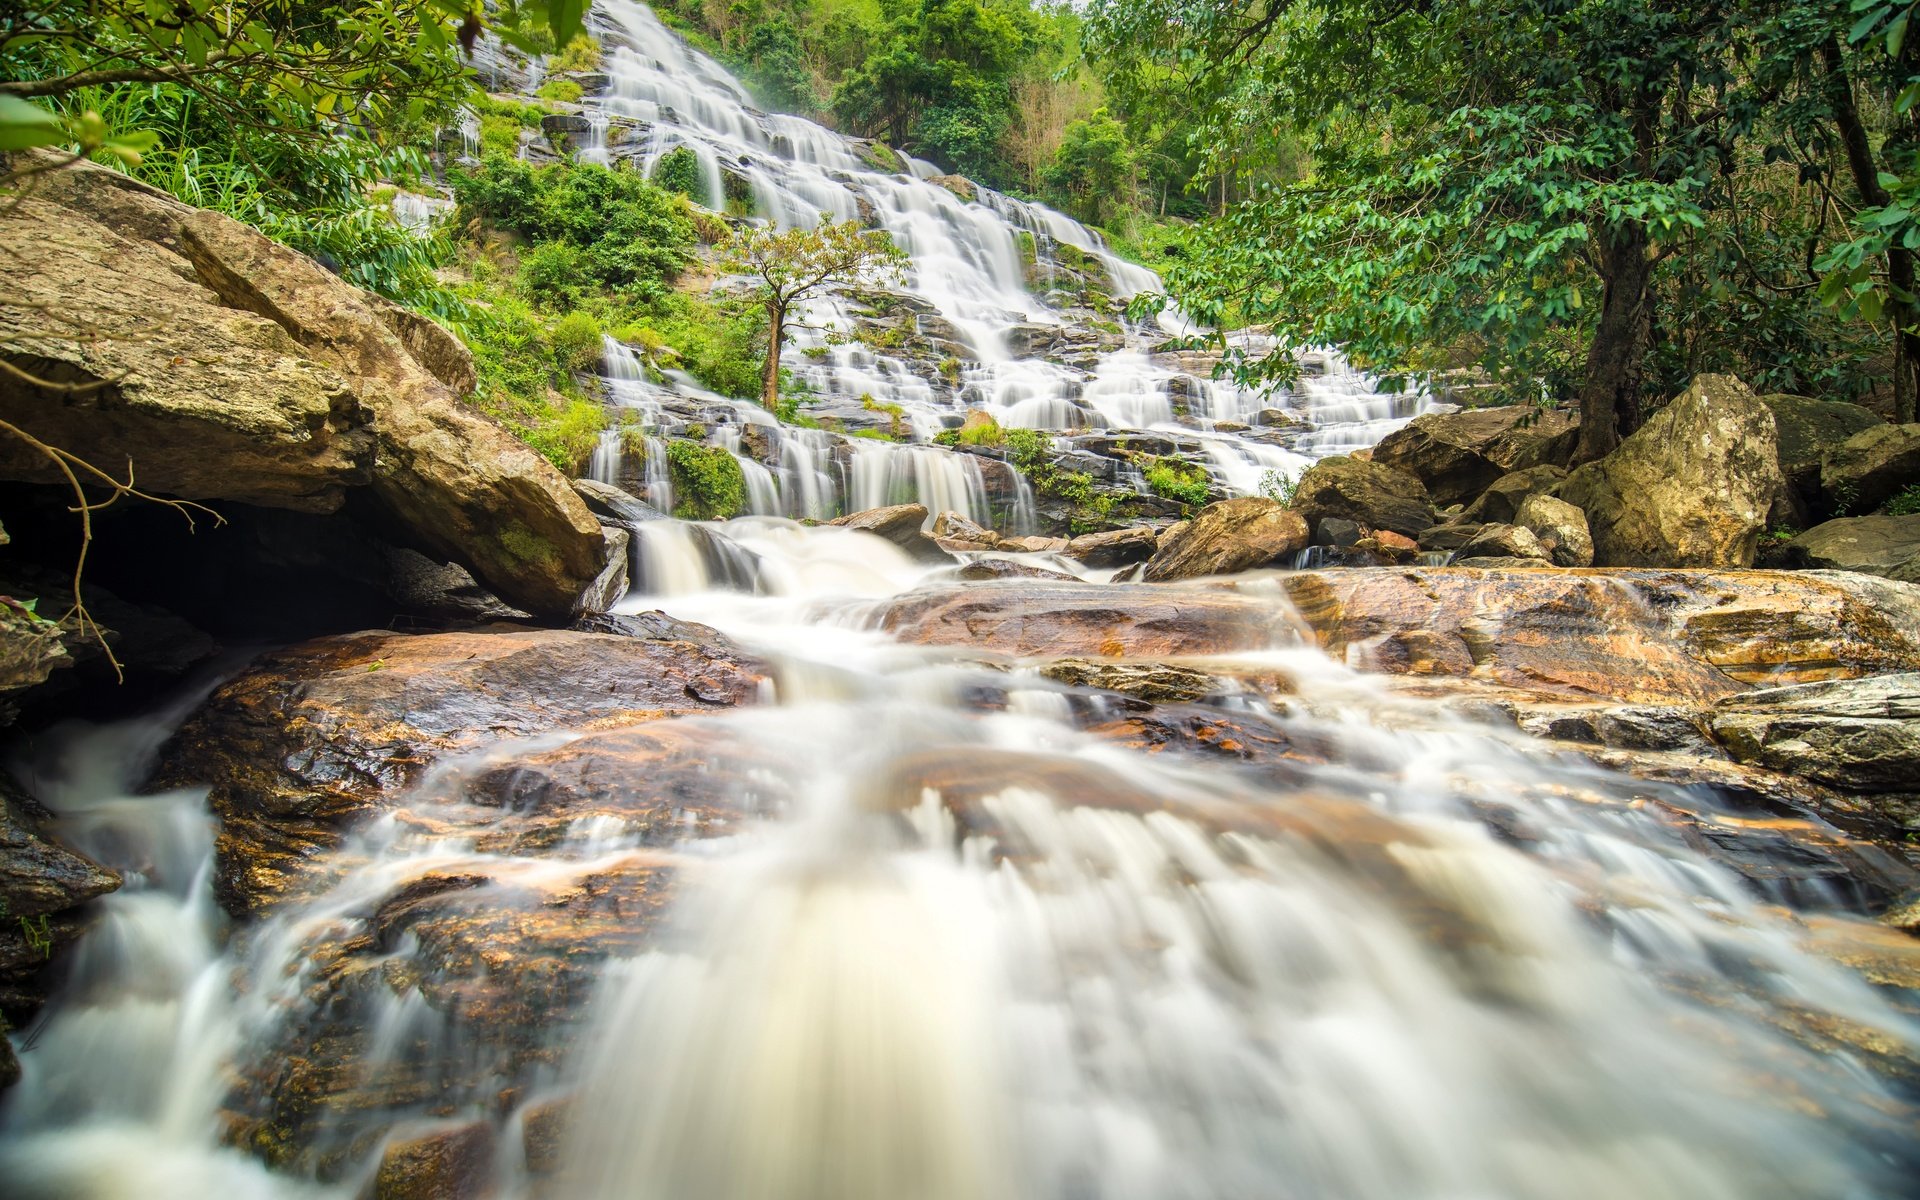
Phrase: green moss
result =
(708, 484)
(499, 135)
(566, 91)
(523, 546)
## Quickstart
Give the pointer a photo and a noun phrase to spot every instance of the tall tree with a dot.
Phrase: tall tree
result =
(795, 265)
(1500, 178)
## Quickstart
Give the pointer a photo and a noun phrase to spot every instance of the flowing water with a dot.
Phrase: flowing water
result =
(1007, 307)
(958, 941)
(965, 946)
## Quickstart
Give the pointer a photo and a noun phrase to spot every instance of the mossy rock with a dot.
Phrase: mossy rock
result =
(708, 484)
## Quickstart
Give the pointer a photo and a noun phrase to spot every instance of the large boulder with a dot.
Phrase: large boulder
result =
(1231, 535)
(1040, 618)
(1805, 430)
(1882, 545)
(1859, 736)
(1655, 637)
(223, 366)
(1458, 455)
(1504, 496)
(1690, 488)
(311, 739)
(1375, 495)
(1871, 467)
(900, 524)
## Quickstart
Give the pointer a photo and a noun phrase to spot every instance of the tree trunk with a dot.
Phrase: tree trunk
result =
(1900, 261)
(770, 376)
(1610, 393)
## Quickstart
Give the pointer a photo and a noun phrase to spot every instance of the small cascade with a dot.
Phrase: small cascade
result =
(609, 455)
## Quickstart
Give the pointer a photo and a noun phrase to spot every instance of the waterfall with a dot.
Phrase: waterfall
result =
(996, 299)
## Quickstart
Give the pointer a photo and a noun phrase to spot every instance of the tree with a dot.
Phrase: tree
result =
(1092, 174)
(1500, 179)
(794, 265)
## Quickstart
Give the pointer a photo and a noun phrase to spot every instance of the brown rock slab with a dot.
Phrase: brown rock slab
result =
(1229, 536)
(1063, 620)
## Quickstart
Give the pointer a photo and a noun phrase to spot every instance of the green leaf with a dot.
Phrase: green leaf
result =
(24, 126)
(1896, 35)
(1864, 25)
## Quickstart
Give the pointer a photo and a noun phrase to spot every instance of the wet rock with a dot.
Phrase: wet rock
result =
(1083, 620)
(1504, 496)
(1114, 547)
(446, 590)
(1858, 735)
(1882, 545)
(1374, 495)
(1649, 637)
(43, 890)
(1006, 568)
(543, 1134)
(959, 185)
(1447, 537)
(610, 587)
(311, 739)
(1228, 536)
(951, 531)
(1805, 430)
(615, 504)
(1458, 455)
(901, 525)
(233, 368)
(1161, 683)
(1503, 541)
(1560, 528)
(1338, 532)
(1690, 488)
(658, 626)
(1871, 467)
(445, 1164)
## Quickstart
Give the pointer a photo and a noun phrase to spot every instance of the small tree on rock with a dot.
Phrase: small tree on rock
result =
(794, 265)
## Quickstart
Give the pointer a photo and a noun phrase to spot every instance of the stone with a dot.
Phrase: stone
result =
(1871, 467)
(1882, 545)
(959, 185)
(900, 524)
(453, 1163)
(1861, 736)
(1503, 541)
(614, 504)
(1337, 531)
(1228, 536)
(1560, 528)
(1370, 493)
(1160, 683)
(951, 531)
(1035, 618)
(1398, 545)
(1691, 488)
(611, 586)
(1114, 547)
(1457, 455)
(1448, 538)
(1504, 496)
(444, 590)
(228, 367)
(1805, 430)
(1640, 637)
(311, 739)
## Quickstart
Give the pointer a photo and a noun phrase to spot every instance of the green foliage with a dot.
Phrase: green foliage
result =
(1093, 175)
(1176, 480)
(617, 228)
(775, 68)
(565, 91)
(526, 379)
(679, 171)
(576, 341)
(708, 484)
(1278, 485)
(580, 53)
(1906, 504)
(719, 341)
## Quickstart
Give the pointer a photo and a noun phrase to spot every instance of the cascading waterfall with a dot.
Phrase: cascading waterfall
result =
(1011, 305)
(968, 950)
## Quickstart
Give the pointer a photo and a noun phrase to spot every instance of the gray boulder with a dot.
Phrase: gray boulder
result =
(1871, 467)
(1458, 455)
(1561, 529)
(1806, 430)
(1691, 488)
(1882, 545)
(1354, 489)
(1232, 535)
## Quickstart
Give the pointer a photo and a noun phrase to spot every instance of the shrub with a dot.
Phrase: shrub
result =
(708, 484)
(980, 429)
(566, 91)
(679, 171)
(1278, 485)
(1176, 480)
(525, 382)
(631, 233)
(576, 341)
(1906, 504)
(499, 136)
(580, 54)
(555, 274)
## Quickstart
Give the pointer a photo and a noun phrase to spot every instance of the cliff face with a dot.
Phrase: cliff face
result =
(218, 365)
